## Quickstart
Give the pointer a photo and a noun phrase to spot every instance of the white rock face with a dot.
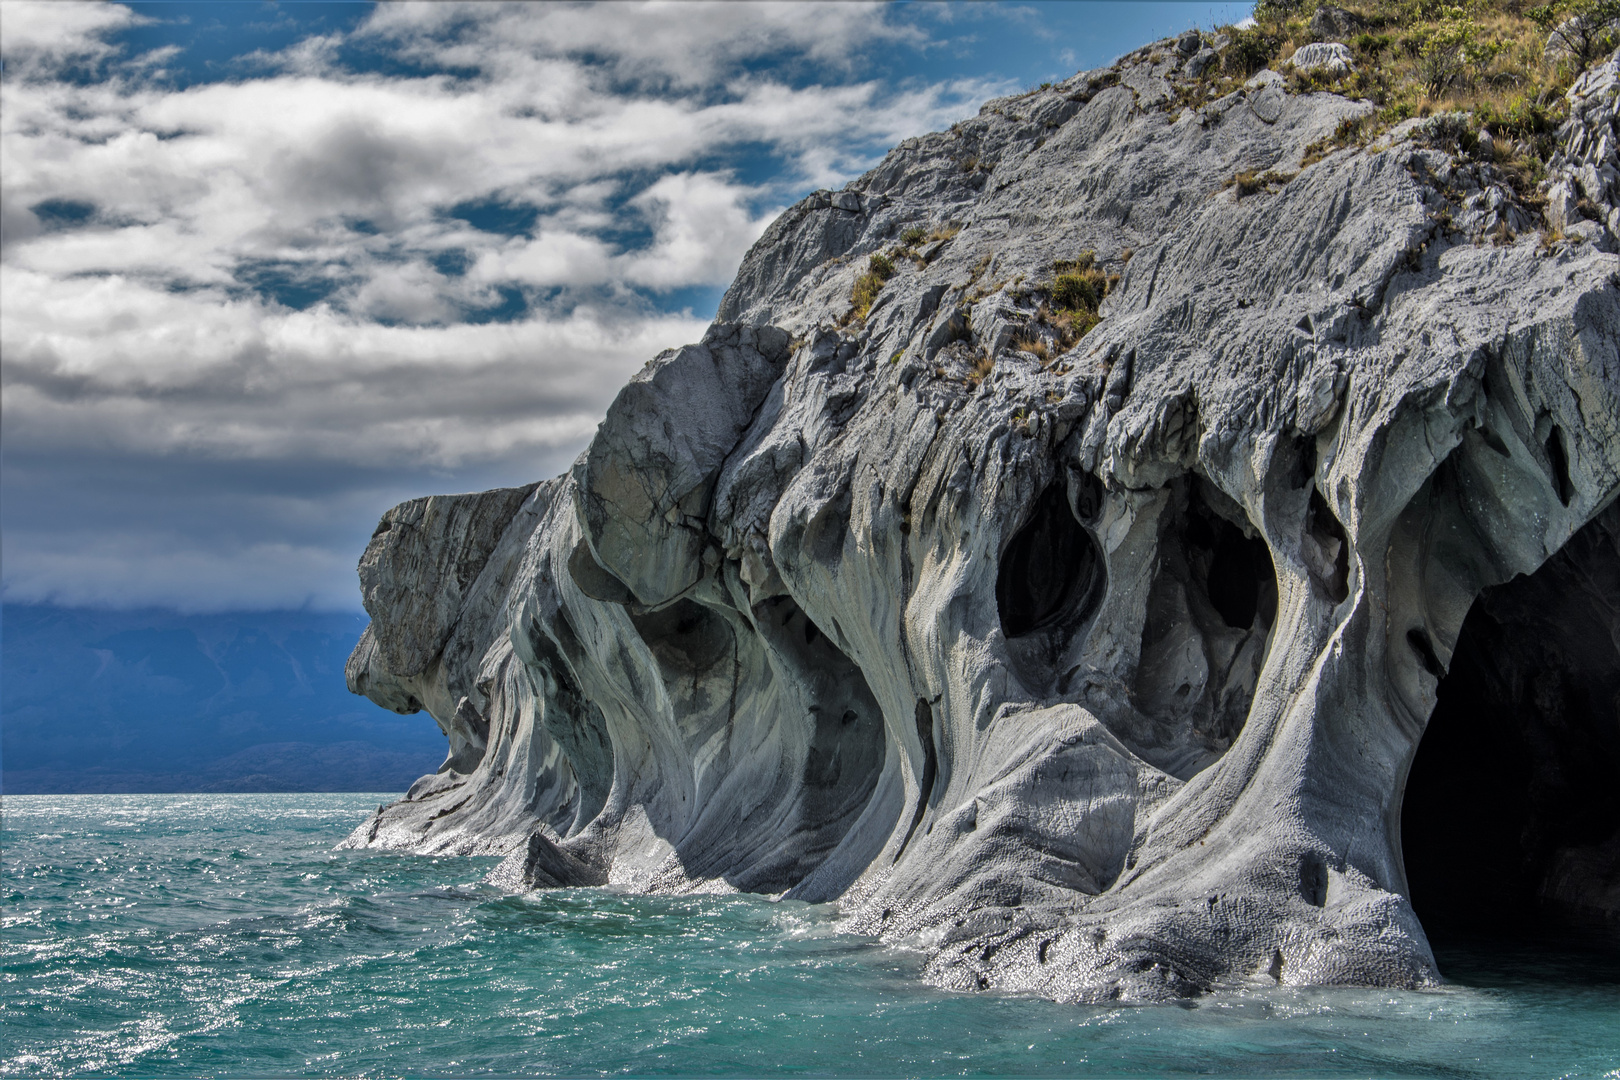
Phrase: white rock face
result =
(1097, 676)
(1585, 197)
(1327, 56)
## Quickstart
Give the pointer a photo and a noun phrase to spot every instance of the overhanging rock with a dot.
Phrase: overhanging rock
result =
(1093, 668)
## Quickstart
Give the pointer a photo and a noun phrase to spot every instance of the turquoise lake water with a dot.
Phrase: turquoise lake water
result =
(220, 935)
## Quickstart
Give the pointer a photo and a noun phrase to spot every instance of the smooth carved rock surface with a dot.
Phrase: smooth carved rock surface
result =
(1099, 676)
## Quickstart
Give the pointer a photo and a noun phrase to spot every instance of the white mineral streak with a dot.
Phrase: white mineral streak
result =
(817, 616)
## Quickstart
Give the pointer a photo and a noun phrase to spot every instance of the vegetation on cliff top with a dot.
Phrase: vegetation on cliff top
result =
(1505, 62)
(1492, 73)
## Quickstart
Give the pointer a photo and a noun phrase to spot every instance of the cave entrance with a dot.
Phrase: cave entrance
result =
(1208, 624)
(1051, 575)
(1510, 824)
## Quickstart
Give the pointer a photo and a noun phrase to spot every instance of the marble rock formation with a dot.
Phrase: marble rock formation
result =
(1094, 668)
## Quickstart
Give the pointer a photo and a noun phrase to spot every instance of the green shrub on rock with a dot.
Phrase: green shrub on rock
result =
(879, 269)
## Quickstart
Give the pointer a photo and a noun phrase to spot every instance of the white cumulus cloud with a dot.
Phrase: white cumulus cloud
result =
(426, 250)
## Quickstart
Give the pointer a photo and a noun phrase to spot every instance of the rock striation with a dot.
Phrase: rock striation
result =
(1092, 667)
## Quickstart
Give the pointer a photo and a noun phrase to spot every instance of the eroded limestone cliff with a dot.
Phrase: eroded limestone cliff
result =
(1093, 667)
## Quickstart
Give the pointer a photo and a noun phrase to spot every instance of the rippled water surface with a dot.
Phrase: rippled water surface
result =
(220, 935)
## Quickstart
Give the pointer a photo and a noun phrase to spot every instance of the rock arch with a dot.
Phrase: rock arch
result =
(1511, 818)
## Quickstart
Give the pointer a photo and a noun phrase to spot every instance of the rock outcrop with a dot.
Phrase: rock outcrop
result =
(1094, 668)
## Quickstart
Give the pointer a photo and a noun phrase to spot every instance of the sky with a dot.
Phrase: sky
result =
(268, 269)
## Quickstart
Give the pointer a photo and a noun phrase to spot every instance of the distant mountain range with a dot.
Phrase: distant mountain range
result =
(152, 700)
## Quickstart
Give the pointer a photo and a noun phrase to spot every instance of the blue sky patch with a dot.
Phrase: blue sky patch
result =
(513, 307)
(452, 262)
(63, 213)
(216, 40)
(701, 300)
(493, 216)
(292, 285)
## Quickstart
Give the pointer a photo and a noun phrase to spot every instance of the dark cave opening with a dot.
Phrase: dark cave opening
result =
(1560, 465)
(1051, 572)
(1207, 627)
(1510, 823)
(1326, 549)
(1236, 569)
(686, 636)
(842, 724)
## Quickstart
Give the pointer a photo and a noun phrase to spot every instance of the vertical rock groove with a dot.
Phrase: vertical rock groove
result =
(930, 769)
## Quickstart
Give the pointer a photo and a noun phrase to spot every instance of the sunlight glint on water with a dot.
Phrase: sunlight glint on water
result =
(212, 935)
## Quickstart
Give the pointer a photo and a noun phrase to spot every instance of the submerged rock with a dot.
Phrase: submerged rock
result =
(1092, 666)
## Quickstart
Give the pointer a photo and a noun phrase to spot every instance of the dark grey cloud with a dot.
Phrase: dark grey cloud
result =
(201, 534)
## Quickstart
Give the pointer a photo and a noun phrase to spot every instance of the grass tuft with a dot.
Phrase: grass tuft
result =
(1074, 294)
(1252, 182)
(983, 364)
(879, 269)
(1486, 58)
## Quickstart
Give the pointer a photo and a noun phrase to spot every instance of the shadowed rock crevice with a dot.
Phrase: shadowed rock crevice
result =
(924, 717)
(846, 745)
(1051, 576)
(1558, 457)
(571, 719)
(1511, 819)
(1209, 618)
(1051, 584)
(686, 637)
(1326, 549)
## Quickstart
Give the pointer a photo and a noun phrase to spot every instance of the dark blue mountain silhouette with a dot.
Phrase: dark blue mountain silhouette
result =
(97, 701)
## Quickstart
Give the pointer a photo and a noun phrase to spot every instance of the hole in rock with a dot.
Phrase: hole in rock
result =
(1051, 573)
(1304, 470)
(1560, 466)
(1326, 549)
(1510, 822)
(1237, 571)
(685, 636)
(844, 731)
(1313, 879)
(1209, 617)
(1088, 497)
